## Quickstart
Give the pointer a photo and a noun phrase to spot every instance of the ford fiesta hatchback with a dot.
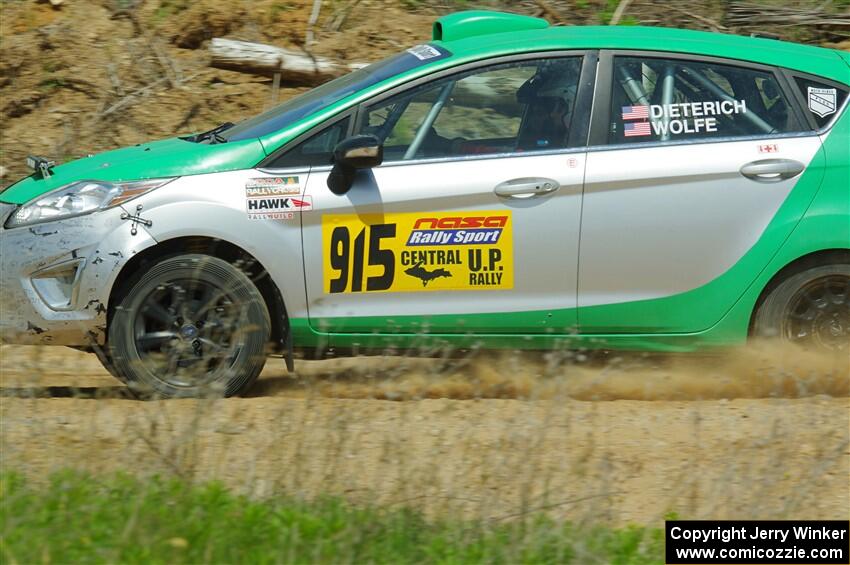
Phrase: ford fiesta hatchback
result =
(507, 185)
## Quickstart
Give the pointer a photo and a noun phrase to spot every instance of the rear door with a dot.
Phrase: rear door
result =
(700, 170)
(471, 224)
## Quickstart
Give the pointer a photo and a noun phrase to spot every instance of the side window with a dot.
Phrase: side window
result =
(822, 100)
(507, 108)
(667, 100)
(314, 151)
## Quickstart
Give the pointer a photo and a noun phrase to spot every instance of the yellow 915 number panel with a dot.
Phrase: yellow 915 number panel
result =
(416, 252)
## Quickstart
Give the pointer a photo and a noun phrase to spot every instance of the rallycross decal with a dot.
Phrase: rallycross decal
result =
(415, 252)
(272, 186)
(675, 119)
(822, 101)
(271, 198)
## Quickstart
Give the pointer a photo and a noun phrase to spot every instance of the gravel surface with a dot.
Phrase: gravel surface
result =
(617, 461)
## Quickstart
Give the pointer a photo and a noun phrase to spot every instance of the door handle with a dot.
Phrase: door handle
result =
(772, 170)
(526, 187)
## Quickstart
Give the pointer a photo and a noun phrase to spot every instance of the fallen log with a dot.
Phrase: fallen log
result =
(822, 23)
(268, 60)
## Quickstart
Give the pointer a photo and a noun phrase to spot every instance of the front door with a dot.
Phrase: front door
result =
(471, 225)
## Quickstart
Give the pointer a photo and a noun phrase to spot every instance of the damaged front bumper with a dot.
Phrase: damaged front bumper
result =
(56, 277)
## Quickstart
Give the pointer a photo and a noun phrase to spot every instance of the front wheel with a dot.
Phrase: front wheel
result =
(810, 308)
(189, 326)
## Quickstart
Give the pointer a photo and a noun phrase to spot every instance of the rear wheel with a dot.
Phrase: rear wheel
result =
(810, 308)
(189, 326)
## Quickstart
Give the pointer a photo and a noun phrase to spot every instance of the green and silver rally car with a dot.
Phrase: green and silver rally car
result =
(508, 185)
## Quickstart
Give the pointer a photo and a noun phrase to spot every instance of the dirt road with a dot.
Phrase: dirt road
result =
(624, 440)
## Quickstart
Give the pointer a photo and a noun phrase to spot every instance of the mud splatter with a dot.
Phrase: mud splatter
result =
(35, 329)
(98, 306)
(40, 232)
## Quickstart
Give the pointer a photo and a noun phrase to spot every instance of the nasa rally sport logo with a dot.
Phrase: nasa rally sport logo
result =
(451, 235)
(823, 101)
(463, 230)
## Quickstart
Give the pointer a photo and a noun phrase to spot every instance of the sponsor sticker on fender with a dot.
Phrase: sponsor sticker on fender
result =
(417, 252)
(272, 186)
(274, 198)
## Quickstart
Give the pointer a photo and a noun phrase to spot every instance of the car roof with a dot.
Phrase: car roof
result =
(805, 58)
(477, 35)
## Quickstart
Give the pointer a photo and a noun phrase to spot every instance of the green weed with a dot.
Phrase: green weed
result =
(81, 518)
(168, 8)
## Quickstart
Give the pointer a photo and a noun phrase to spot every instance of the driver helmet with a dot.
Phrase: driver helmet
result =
(550, 101)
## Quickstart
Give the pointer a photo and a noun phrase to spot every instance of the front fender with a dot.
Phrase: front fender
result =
(214, 206)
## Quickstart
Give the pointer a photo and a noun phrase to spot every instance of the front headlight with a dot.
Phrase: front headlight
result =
(78, 198)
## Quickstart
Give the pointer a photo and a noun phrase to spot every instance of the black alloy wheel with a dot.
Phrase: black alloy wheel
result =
(810, 308)
(191, 325)
(819, 314)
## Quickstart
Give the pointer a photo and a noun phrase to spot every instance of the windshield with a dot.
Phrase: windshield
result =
(293, 110)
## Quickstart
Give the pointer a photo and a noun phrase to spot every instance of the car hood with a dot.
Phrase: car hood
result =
(167, 158)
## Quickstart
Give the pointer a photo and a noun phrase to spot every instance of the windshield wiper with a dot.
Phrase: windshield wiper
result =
(213, 134)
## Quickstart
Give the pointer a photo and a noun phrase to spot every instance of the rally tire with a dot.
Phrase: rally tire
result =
(102, 354)
(189, 326)
(810, 308)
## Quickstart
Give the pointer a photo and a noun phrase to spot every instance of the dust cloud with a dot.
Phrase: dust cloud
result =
(758, 371)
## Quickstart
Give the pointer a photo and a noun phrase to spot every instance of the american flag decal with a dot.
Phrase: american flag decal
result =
(636, 129)
(635, 112)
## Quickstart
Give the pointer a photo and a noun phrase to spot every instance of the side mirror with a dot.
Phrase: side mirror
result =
(357, 152)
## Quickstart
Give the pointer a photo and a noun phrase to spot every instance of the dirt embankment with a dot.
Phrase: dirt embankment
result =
(89, 76)
(85, 76)
(494, 438)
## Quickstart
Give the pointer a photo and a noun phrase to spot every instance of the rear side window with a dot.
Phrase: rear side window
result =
(673, 99)
(823, 100)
